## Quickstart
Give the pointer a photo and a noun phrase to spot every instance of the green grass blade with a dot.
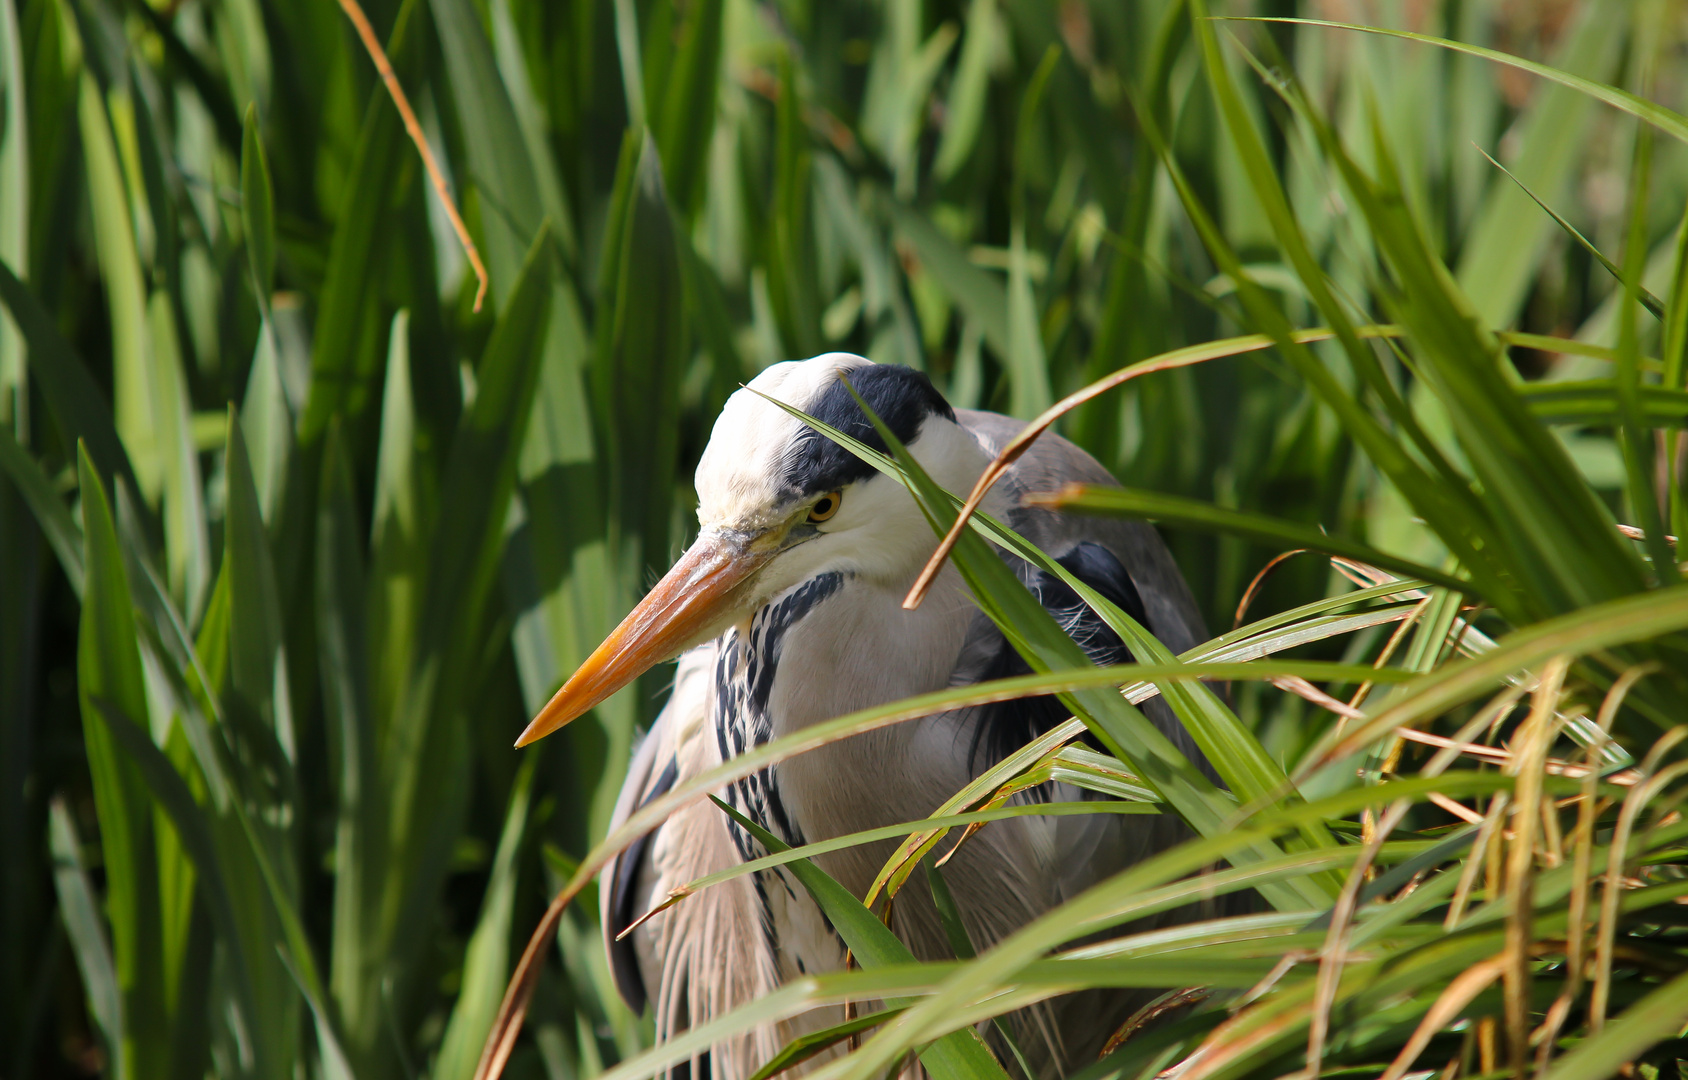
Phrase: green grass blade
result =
(487, 962)
(14, 214)
(109, 670)
(1674, 347)
(1188, 513)
(965, 107)
(804, 1047)
(258, 664)
(1653, 303)
(1639, 449)
(81, 915)
(687, 120)
(973, 290)
(343, 367)
(638, 358)
(76, 402)
(62, 533)
(868, 836)
(497, 154)
(792, 286)
(357, 955)
(187, 544)
(257, 210)
(958, 1054)
(136, 412)
(1027, 365)
(1594, 402)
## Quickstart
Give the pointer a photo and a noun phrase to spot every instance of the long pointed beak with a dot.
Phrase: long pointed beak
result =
(690, 604)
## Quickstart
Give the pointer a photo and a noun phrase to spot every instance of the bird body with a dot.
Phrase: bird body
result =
(814, 629)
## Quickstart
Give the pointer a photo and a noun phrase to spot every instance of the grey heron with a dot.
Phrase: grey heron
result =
(786, 611)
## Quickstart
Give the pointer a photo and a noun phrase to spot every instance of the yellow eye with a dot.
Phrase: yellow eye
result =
(827, 506)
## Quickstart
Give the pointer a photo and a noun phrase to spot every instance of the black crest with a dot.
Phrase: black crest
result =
(901, 397)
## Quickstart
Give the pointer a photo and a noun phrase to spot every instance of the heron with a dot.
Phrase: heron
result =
(787, 610)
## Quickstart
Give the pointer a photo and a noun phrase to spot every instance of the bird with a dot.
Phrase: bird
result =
(787, 610)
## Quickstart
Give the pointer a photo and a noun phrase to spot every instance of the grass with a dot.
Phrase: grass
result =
(295, 534)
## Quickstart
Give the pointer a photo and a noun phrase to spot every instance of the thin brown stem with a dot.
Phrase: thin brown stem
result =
(385, 68)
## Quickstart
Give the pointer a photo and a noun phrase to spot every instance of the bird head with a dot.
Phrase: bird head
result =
(779, 504)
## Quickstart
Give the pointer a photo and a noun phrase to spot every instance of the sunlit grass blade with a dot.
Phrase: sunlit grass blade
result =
(134, 408)
(839, 843)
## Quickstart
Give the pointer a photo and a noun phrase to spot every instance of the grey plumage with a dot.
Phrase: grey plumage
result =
(846, 644)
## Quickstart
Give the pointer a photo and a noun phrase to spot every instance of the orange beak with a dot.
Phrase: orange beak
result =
(692, 603)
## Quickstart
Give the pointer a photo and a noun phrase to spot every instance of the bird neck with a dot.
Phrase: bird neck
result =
(835, 644)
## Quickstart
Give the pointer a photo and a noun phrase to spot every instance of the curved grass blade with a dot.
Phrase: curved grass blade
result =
(1667, 120)
(1600, 626)
(887, 832)
(1651, 302)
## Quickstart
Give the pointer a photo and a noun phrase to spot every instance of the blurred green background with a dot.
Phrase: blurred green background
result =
(366, 530)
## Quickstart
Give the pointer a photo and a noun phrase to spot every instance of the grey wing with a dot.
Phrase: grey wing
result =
(1053, 461)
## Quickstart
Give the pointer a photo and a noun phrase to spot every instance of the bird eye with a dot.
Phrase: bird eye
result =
(826, 507)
